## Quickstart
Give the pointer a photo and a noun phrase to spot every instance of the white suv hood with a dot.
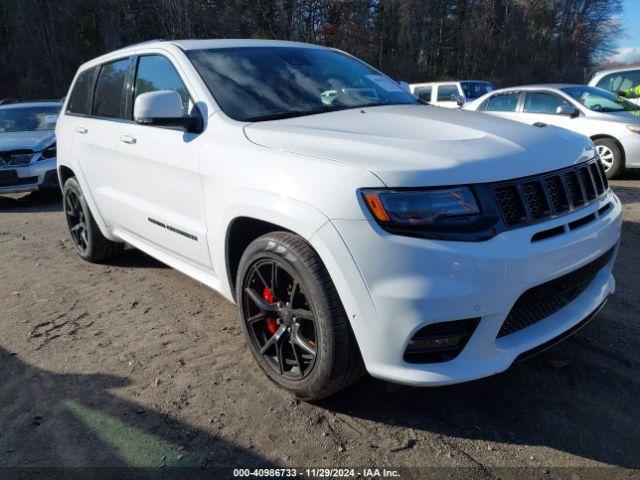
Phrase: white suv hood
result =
(418, 145)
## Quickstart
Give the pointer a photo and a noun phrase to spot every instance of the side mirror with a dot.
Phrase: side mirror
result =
(163, 108)
(567, 110)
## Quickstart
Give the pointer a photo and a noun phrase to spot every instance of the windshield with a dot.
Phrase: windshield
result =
(600, 100)
(474, 90)
(267, 83)
(25, 119)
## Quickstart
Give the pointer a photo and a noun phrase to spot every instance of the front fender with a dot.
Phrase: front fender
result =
(288, 213)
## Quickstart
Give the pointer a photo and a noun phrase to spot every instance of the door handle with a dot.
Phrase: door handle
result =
(81, 130)
(128, 139)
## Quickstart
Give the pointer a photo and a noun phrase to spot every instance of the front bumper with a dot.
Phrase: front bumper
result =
(401, 284)
(37, 175)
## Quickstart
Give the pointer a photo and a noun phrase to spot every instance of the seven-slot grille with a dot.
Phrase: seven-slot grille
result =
(533, 199)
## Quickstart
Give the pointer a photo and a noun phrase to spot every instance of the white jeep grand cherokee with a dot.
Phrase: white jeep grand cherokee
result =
(355, 227)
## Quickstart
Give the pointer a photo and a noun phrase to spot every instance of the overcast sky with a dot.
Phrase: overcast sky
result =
(629, 44)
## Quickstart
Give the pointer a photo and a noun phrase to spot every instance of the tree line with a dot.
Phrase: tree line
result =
(42, 42)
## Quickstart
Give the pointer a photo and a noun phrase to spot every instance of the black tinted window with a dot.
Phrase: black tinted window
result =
(156, 72)
(504, 102)
(80, 97)
(475, 89)
(109, 98)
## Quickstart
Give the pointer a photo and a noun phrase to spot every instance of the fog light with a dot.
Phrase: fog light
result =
(440, 342)
(435, 342)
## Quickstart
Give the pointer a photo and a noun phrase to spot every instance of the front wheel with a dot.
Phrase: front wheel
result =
(293, 320)
(610, 156)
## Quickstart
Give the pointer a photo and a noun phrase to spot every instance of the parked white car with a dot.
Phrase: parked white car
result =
(430, 246)
(612, 122)
(618, 80)
(28, 146)
(451, 94)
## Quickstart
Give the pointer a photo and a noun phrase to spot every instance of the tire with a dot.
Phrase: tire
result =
(610, 155)
(337, 362)
(87, 238)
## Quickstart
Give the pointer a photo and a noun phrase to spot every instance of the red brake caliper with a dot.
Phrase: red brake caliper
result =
(272, 325)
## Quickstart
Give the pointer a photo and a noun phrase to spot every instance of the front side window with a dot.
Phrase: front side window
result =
(621, 81)
(267, 83)
(503, 102)
(80, 97)
(28, 119)
(542, 102)
(156, 72)
(600, 100)
(423, 93)
(445, 93)
(109, 97)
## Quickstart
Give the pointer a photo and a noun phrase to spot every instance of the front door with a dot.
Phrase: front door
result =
(541, 107)
(162, 191)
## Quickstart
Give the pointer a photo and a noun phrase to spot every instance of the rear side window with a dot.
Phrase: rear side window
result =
(542, 102)
(156, 72)
(445, 92)
(616, 82)
(109, 98)
(80, 97)
(423, 93)
(504, 102)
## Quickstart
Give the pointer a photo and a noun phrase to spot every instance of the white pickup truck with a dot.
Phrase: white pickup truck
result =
(451, 94)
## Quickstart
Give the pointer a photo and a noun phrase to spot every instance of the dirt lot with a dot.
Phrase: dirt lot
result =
(134, 364)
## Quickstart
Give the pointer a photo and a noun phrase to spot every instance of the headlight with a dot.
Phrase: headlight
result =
(634, 128)
(420, 208)
(49, 152)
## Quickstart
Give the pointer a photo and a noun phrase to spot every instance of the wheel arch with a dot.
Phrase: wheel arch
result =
(241, 223)
(604, 136)
(240, 233)
(64, 174)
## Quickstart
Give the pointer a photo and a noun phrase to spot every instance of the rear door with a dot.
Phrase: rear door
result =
(95, 144)
(160, 196)
(502, 104)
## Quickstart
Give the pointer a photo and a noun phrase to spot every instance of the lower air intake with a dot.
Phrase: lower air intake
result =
(544, 300)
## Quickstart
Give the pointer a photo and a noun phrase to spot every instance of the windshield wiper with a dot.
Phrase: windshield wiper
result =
(301, 113)
(285, 114)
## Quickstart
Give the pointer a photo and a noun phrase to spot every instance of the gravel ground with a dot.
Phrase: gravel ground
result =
(133, 364)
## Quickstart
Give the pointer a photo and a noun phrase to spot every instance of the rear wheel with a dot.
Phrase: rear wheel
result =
(293, 319)
(87, 238)
(610, 156)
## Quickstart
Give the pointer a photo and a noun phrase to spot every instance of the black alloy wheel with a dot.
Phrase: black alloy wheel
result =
(280, 322)
(76, 220)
